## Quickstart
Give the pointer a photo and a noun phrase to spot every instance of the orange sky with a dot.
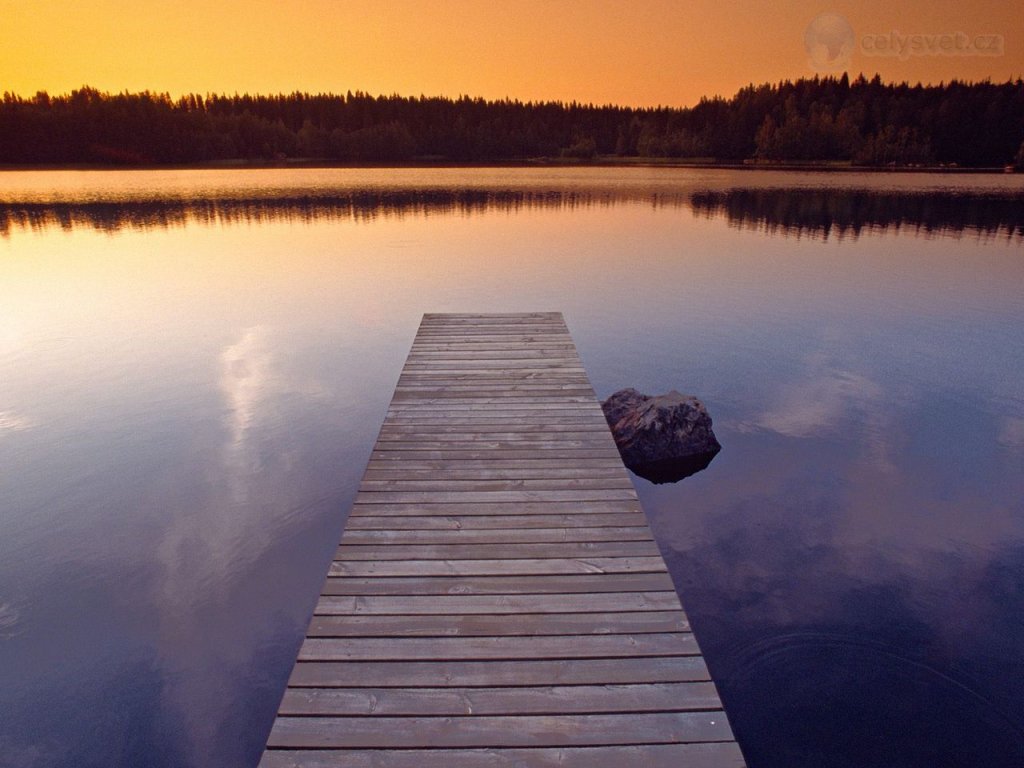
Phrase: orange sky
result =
(642, 52)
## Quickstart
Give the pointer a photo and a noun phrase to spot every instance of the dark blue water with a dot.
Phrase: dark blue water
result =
(194, 365)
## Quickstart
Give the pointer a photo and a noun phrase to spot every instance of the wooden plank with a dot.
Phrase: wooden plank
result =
(512, 567)
(486, 522)
(491, 422)
(486, 320)
(510, 436)
(480, 319)
(482, 497)
(394, 453)
(491, 400)
(495, 359)
(490, 604)
(544, 374)
(700, 755)
(413, 416)
(498, 731)
(577, 549)
(463, 485)
(543, 369)
(509, 387)
(471, 431)
(493, 367)
(492, 463)
(498, 535)
(596, 646)
(443, 347)
(497, 597)
(524, 331)
(494, 317)
(437, 389)
(455, 471)
(490, 625)
(552, 448)
(443, 320)
(536, 700)
(497, 551)
(497, 392)
(445, 674)
(498, 585)
(564, 353)
(495, 508)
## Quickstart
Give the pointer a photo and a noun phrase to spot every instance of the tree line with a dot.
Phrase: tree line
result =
(864, 122)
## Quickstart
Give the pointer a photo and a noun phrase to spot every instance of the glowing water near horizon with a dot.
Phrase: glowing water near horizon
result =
(188, 397)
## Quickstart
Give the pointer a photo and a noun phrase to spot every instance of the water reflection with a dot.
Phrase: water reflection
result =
(838, 654)
(186, 410)
(358, 204)
(848, 212)
(672, 470)
(820, 204)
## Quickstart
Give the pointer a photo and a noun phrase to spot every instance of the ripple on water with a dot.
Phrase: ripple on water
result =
(827, 698)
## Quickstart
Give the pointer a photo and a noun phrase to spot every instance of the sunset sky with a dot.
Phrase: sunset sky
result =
(641, 53)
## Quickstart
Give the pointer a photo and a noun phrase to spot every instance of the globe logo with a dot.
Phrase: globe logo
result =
(829, 42)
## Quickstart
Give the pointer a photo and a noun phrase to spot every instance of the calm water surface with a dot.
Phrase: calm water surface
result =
(194, 366)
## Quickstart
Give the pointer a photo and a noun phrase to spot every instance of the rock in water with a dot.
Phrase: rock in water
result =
(663, 438)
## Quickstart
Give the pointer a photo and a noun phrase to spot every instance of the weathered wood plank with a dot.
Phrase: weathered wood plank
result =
(494, 463)
(591, 549)
(463, 485)
(506, 361)
(554, 454)
(495, 508)
(488, 522)
(480, 319)
(498, 535)
(586, 424)
(491, 604)
(561, 353)
(454, 471)
(445, 674)
(522, 332)
(701, 755)
(474, 497)
(498, 585)
(566, 455)
(451, 648)
(516, 326)
(488, 422)
(511, 567)
(502, 374)
(506, 410)
(539, 700)
(473, 330)
(428, 389)
(553, 402)
(494, 317)
(559, 436)
(490, 625)
(499, 731)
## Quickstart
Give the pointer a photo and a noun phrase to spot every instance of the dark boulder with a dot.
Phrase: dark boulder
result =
(663, 438)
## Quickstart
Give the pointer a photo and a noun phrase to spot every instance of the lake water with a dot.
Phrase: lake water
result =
(194, 366)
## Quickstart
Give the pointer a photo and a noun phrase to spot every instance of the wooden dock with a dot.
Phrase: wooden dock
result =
(497, 598)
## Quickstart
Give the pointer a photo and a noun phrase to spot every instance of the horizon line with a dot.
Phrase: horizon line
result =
(177, 96)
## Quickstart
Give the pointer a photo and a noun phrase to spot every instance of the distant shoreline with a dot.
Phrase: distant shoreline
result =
(539, 162)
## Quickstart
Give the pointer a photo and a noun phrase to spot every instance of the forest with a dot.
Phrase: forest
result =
(832, 119)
